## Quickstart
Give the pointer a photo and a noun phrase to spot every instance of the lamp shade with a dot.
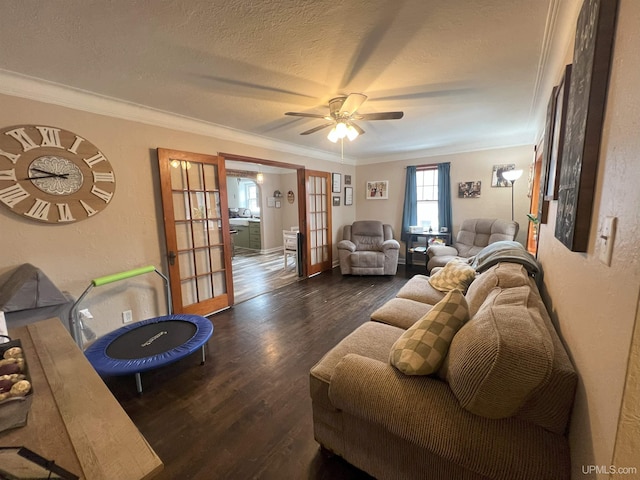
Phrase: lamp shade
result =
(512, 175)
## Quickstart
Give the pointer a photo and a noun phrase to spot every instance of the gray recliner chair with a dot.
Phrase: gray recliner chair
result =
(368, 248)
(474, 235)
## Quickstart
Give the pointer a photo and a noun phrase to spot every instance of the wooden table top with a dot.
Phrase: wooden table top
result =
(74, 419)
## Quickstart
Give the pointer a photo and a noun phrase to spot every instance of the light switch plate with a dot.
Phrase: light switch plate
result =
(607, 239)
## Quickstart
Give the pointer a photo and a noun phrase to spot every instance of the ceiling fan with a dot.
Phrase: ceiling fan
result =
(342, 113)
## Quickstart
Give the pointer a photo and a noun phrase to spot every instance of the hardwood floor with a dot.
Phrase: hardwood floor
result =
(255, 273)
(246, 413)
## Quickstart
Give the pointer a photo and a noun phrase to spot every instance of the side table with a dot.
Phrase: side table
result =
(414, 238)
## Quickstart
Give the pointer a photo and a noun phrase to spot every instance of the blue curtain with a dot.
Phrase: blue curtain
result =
(444, 196)
(410, 212)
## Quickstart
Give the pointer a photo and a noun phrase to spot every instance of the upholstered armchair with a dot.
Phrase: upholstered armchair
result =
(368, 248)
(474, 235)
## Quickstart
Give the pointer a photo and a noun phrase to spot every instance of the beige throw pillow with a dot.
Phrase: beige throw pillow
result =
(422, 348)
(454, 275)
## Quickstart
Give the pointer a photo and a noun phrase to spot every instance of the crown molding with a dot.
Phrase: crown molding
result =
(31, 88)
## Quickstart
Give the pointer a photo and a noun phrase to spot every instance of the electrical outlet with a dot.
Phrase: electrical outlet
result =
(127, 316)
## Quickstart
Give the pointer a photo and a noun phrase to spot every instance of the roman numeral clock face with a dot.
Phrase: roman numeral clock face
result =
(51, 175)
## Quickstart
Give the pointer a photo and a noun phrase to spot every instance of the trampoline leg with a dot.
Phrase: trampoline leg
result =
(138, 383)
(203, 356)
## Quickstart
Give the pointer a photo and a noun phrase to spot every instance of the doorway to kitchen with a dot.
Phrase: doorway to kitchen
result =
(263, 202)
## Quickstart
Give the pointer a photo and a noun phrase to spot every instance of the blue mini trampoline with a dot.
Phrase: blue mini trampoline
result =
(144, 345)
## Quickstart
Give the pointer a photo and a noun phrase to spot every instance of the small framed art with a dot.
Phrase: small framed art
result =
(336, 201)
(497, 180)
(348, 196)
(469, 189)
(336, 183)
(377, 190)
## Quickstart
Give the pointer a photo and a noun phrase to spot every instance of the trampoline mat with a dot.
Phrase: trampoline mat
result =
(151, 339)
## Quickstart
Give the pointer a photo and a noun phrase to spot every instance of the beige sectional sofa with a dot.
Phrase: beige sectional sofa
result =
(497, 408)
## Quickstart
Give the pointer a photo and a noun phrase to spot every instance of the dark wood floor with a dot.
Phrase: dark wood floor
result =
(255, 273)
(246, 414)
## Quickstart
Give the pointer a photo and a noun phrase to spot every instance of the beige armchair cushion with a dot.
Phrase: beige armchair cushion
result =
(473, 236)
(368, 248)
(422, 348)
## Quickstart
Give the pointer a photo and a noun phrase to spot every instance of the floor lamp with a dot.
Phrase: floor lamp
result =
(512, 176)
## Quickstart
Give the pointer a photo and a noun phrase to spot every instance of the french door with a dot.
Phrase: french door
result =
(319, 244)
(196, 223)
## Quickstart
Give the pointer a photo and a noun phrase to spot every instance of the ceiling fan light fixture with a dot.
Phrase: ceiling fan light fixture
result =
(333, 135)
(352, 133)
(341, 129)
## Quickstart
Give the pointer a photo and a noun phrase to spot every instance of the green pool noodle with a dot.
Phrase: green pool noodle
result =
(98, 282)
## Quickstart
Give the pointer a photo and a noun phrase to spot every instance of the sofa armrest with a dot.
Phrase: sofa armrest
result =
(439, 250)
(377, 392)
(390, 245)
(346, 245)
(423, 411)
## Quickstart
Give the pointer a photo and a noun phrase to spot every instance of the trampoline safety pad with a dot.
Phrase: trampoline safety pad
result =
(149, 344)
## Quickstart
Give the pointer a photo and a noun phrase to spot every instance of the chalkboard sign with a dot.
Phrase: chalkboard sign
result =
(587, 94)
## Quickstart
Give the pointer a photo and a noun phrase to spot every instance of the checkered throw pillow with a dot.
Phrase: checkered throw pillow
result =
(455, 274)
(422, 348)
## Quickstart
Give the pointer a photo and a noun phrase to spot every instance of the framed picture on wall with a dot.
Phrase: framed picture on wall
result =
(336, 201)
(469, 189)
(497, 180)
(348, 195)
(377, 190)
(595, 32)
(557, 136)
(347, 179)
(336, 183)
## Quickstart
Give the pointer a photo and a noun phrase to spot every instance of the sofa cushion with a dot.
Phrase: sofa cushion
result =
(419, 289)
(455, 275)
(371, 339)
(422, 348)
(500, 356)
(401, 312)
(503, 275)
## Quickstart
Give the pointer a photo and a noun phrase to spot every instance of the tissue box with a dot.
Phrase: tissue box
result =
(416, 229)
(14, 410)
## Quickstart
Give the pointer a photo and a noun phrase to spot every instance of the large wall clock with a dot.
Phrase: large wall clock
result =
(52, 175)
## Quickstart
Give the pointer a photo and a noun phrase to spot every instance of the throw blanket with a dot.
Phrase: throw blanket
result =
(506, 251)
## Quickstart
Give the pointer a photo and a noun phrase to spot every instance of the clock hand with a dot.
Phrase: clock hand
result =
(49, 174)
(64, 175)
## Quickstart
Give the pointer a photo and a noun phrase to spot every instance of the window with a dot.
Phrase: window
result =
(248, 195)
(427, 195)
(252, 197)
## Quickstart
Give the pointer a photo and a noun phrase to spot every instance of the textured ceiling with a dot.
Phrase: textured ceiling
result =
(467, 74)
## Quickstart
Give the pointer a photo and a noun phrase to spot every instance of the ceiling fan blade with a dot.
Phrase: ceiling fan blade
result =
(317, 129)
(380, 116)
(310, 115)
(357, 127)
(352, 103)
